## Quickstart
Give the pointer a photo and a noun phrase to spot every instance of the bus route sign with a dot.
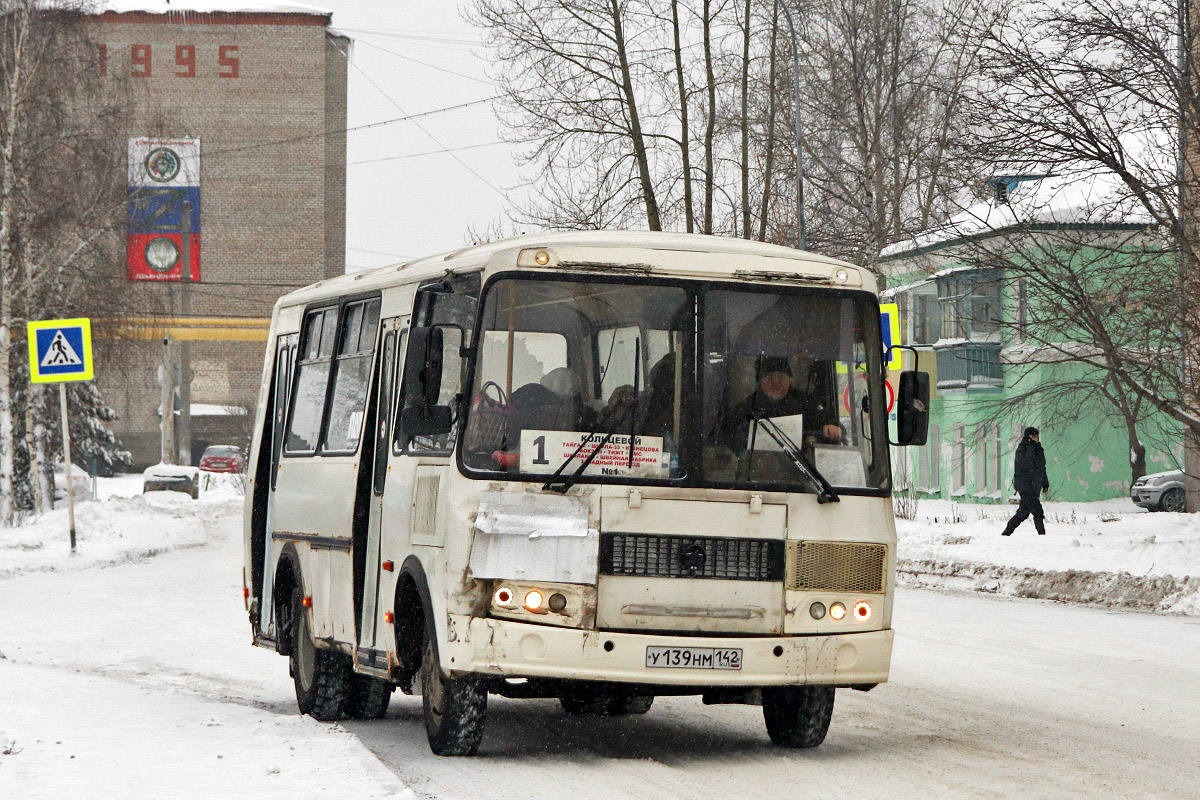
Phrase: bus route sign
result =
(60, 350)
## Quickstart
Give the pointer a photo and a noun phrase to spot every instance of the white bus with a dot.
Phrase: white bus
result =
(598, 467)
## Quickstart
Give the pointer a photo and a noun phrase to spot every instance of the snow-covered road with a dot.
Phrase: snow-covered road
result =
(138, 680)
(989, 698)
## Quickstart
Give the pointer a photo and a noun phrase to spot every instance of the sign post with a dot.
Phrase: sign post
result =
(60, 351)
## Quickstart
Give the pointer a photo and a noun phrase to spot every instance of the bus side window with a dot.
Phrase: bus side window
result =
(387, 371)
(399, 440)
(452, 303)
(351, 377)
(312, 379)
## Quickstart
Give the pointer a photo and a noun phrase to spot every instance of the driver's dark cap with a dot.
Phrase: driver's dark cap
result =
(775, 364)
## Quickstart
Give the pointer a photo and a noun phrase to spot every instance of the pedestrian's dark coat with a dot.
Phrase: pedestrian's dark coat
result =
(1029, 468)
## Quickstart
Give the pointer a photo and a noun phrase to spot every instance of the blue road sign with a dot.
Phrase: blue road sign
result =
(60, 350)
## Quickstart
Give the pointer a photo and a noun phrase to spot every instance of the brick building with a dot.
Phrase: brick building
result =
(256, 91)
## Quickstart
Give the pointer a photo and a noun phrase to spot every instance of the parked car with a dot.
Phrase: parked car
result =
(171, 478)
(81, 483)
(223, 458)
(1162, 491)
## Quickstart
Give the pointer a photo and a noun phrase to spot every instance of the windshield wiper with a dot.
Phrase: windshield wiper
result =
(554, 484)
(825, 492)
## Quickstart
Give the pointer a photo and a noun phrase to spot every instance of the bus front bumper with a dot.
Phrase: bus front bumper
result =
(520, 650)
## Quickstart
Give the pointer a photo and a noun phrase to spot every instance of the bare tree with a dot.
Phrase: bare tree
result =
(884, 85)
(571, 77)
(60, 199)
(1108, 88)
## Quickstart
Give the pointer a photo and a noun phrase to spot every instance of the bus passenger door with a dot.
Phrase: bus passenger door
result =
(285, 353)
(385, 408)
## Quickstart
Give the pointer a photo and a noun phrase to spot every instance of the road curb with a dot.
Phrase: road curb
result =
(1162, 594)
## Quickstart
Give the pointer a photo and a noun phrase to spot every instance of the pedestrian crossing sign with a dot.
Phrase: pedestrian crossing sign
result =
(60, 350)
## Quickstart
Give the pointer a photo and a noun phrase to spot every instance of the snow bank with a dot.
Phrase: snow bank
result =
(1106, 553)
(126, 526)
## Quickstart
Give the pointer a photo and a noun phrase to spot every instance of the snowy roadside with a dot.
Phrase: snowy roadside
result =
(138, 680)
(123, 525)
(1108, 553)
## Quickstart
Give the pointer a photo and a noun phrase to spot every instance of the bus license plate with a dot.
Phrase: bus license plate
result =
(694, 657)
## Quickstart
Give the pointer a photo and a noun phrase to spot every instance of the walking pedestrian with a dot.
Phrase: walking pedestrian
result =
(1029, 475)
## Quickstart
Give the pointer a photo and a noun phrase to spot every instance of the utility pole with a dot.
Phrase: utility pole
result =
(1183, 214)
(800, 236)
(167, 372)
(68, 478)
(185, 347)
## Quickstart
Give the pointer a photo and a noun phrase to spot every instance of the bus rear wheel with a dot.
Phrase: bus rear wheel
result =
(322, 677)
(798, 716)
(369, 697)
(454, 708)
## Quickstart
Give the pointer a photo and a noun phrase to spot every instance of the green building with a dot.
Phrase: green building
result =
(969, 318)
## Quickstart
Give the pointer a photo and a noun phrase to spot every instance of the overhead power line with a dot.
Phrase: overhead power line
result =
(429, 153)
(376, 252)
(425, 131)
(319, 134)
(427, 64)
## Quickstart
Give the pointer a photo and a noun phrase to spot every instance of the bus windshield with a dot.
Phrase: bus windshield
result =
(713, 384)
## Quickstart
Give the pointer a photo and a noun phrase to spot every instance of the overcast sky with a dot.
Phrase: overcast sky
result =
(414, 206)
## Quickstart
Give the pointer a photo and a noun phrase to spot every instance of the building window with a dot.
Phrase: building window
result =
(932, 477)
(926, 327)
(982, 461)
(970, 305)
(958, 460)
(997, 458)
(1022, 308)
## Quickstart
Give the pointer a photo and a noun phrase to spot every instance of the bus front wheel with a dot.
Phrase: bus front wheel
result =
(322, 677)
(798, 716)
(454, 708)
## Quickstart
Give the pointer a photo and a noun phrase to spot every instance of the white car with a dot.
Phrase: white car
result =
(1162, 491)
(81, 483)
(171, 478)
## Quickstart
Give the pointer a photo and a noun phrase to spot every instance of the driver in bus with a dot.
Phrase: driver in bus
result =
(777, 397)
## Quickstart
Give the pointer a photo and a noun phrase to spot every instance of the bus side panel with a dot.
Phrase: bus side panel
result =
(396, 541)
(315, 498)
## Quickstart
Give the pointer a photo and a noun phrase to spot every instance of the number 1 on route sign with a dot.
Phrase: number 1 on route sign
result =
(60, 350)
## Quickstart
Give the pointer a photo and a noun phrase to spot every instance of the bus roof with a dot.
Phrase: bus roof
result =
(477, 255)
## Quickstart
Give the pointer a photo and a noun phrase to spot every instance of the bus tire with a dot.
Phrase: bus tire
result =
(630, 704)
(322, 677)
(369, 697)
(798, 716)
(577, 701)
(454, 708)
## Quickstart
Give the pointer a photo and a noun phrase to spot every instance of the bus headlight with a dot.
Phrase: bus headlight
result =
(862, 611)
(837, 611)
(817, 610)
(533, 600)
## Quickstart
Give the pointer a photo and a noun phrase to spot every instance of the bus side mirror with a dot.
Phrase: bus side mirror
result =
(422, 416)
(912, 409)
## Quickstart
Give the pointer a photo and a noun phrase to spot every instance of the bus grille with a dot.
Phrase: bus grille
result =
(836, 566)
(650, 556)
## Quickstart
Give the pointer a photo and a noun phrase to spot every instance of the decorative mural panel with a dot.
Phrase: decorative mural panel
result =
(163, 173)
